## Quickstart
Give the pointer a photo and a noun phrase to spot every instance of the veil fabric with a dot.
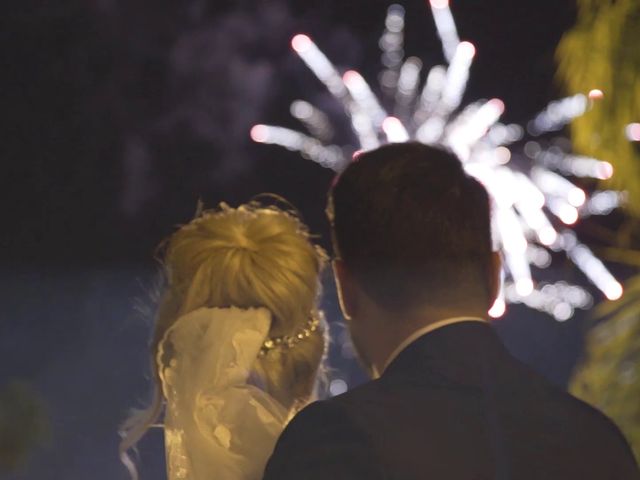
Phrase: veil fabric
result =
(217, 426)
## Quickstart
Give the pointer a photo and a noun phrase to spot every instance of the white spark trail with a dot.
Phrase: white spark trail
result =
(446, 27)
(309, 147)
(557, 114)
(431, 93)
(319, 64)
(533, 200)
(314, 119)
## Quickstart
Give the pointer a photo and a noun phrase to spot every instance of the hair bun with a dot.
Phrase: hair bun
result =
(245, 243)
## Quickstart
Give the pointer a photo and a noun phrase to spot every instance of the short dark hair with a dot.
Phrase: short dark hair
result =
(411, 225)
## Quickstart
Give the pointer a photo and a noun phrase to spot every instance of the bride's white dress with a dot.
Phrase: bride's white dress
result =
(217, 426)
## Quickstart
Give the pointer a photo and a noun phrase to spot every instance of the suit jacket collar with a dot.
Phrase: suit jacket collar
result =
(465, 354)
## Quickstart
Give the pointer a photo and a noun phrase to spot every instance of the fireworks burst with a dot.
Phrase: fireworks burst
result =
(524, 169)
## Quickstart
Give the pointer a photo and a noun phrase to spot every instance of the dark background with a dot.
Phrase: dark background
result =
(119, 115)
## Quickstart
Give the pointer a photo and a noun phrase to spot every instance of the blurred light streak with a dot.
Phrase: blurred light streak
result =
(554, 185)
(431, 130)
(557, 114)
(319, 64)
(364, 111)
(514, 247)
(474, 127)
(557, 299)
(563, 210)
(364, 98)
(431, 92)
(499, 306)
(408, 84)
(395, 18)
(314, 119)
(592, 267)
(457, 77)
(394, 130)
(576, 165)
(538, 256)
(633, 132)
(500, 134)
(580, 166)
(309, 147)
(446, 27)
(391, 45)
(602, 203)
(536, 222)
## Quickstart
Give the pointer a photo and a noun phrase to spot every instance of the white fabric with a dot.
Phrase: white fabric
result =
(426, 329)
(216, 425)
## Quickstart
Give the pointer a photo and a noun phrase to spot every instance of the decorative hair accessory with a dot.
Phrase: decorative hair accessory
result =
(290, 341)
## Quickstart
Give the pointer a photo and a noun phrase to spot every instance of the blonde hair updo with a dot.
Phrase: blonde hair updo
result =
(249, 256)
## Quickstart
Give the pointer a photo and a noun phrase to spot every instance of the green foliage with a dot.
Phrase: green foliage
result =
(609, 378)
(601, 51)
(23, 424)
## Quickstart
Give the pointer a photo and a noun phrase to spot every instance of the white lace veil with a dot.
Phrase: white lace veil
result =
(217, 426)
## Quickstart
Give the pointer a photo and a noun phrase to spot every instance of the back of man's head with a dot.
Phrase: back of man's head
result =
(412, 227)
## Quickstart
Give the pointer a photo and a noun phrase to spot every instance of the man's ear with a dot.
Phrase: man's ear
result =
(346, 288)
(494, 276)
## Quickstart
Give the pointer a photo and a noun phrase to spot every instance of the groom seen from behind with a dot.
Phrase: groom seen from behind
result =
(416, 275)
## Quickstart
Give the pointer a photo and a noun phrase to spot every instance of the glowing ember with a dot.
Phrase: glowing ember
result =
(301, 43)
(259, 133)
(633, 132)
(467, 49)
(498, 309)
(439, 3)
(596, 94)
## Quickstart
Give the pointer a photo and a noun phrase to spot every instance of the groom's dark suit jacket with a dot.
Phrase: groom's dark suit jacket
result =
(453, 405)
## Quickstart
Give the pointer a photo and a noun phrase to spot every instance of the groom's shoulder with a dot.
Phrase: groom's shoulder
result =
(336, 417)
(322, 413)
(339, 409)
(324, 440)
(356, 395)
(353, 409)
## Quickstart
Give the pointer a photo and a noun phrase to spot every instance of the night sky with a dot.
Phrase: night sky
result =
(119, 115)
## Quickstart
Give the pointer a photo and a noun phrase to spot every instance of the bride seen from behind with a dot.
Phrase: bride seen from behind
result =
(237, 344)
